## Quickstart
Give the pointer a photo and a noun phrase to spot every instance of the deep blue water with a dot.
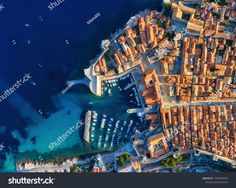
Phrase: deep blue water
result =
(48, 58)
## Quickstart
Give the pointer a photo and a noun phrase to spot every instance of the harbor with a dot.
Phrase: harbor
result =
(107, 133)
(125, 86)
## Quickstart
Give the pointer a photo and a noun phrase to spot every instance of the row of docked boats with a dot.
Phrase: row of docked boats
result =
(125, 77)
(136, 96)
(106, 133)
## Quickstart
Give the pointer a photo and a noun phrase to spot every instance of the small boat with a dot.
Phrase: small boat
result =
(94, 116)
(40, 112)
(67, 42)
(109, 92)
(13, 42)
(33, 83)
(106, 138)
(103, 123)
(94, 120)
(40, 18)
(111, 145)
(117, 124)
(40, 65)
(104, 146)
(99, 144)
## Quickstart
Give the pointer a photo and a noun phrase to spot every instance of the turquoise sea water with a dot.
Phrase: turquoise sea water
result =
(24, 130)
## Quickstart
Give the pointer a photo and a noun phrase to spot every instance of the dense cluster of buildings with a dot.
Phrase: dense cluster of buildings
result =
(207, 74)
(202, 113)
(208, 59)
(146, 33)
(211, 128)
(210, 19)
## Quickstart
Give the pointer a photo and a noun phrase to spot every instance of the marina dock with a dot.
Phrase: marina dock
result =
(87, 126)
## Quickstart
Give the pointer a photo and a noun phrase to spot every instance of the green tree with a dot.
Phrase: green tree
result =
(126, 156)
(180, 158)
(167, 9)
(121, 161)
(166, 165)
(173, 162)
(74, 168)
